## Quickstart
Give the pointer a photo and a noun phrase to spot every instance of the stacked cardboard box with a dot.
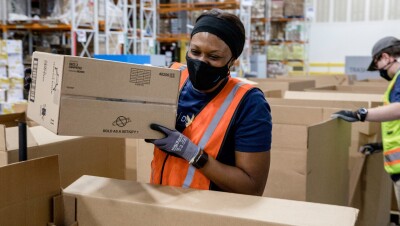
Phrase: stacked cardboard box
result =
(268, 84)
(91, 97)
(32, 196)
(294, 8)
(372, 191)
(78, 155)
(309, 156)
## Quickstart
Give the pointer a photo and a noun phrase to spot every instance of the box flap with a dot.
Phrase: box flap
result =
(328, 145)
(64, 210)
(332, 96)
(26, 191)
(283, 132)
(296, 115)
(44, 136)
(12, 138)
(109, 201)
(343, 104)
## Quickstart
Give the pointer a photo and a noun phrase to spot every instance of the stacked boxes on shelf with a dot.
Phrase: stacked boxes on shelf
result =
(279, 31)
(11, 74)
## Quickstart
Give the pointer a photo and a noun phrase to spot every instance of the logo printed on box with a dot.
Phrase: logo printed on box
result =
(73, 66)
(121, 121)
(140, 77)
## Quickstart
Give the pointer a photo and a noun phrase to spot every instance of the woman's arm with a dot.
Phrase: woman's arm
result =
(249, 176)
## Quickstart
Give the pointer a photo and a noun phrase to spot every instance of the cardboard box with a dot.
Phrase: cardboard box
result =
(77, 155)
(315, 153)
(267, 84)
(103, 201)
(333, 96)
(144, 157)
(27, 190)
(32, 196)
(91, 97)
(131, 159)
(370, 188)
(350, 89)
(320, 80)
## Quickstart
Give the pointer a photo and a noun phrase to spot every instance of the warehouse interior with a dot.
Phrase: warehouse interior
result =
(309, 58)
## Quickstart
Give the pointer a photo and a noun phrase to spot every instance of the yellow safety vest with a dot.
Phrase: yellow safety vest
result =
(391, 136)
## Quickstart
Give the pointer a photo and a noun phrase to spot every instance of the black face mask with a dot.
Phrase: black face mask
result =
(384, 73)
(204, 76)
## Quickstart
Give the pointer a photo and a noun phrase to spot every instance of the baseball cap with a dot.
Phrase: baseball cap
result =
(380, 45)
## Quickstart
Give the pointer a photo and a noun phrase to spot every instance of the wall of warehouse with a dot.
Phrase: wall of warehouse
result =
(331, 42)
(341, 28)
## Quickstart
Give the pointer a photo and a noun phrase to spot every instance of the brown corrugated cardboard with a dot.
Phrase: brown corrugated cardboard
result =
(315, 154)
(267, 84)
(350, 89)
(131, 159)
(320, 80)
(332, 96)
(26, 191)
(91, 97)
(102, 201)
(144, 157)
(77, 155)
(372, 184)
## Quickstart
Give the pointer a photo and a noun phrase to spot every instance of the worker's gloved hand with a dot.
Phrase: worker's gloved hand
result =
(175, 143)
(27, 79)
(350, 116)
(371, 148)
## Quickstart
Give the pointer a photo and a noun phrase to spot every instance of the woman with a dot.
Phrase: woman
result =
(223, 126)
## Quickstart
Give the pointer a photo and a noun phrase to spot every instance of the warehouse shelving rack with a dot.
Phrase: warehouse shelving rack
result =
(118, 35)
(261, 45)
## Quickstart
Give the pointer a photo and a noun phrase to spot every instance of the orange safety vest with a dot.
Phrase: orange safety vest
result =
(207, 130)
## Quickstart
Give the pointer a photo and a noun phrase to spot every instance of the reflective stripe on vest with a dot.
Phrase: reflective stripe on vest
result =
(391, 136)
(210, 130)
(207, 130)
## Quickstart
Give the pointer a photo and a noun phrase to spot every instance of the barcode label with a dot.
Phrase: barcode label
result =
(33, 81)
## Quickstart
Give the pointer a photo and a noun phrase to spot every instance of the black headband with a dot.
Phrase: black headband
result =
(228, 32)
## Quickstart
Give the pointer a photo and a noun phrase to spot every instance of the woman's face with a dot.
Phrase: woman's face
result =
(210, 49)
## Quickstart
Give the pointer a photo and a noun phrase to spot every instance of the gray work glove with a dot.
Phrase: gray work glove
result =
(350, 116)
(371, 148)
(174, 143)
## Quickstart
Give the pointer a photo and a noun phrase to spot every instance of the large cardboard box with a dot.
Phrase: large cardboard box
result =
(267, 84)
(91, 97)
(350, 89)
(103, 201)
(333, 96)
(372, 188)
(30, 194)
(27, 190)
(309, 156)
(320, 80)
(77, 155)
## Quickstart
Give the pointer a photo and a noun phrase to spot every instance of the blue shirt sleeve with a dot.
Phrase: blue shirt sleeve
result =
(253, 124)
